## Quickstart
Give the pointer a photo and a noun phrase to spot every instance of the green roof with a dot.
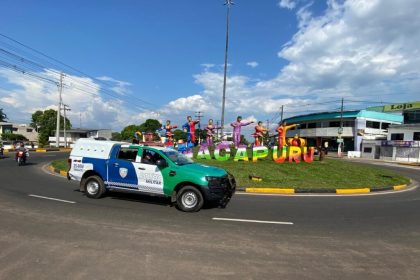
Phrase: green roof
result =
(347, 115)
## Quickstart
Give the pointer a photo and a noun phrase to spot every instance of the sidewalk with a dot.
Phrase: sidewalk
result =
(377, 161)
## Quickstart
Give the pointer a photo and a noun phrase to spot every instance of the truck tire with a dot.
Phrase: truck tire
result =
(189, 199)
(94, 187)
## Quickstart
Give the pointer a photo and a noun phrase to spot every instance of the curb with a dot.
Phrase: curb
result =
(290, 191)
(40, 150)
(58, 171)
(321, 191)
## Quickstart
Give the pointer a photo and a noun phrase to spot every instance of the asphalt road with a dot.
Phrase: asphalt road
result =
(126, 236)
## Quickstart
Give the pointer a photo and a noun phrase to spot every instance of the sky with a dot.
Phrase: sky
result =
(126, 61)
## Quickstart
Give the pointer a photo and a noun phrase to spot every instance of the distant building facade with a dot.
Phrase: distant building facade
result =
(72, 135)
(403, 140)
(322, 129)
(28, 132)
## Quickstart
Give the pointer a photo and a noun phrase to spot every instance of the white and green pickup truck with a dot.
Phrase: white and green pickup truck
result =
(117, 166)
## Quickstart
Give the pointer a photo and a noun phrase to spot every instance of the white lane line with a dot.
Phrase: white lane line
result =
(252, 221)
(51, 198)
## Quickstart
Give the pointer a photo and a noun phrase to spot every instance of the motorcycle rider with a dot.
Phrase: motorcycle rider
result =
(22, 148)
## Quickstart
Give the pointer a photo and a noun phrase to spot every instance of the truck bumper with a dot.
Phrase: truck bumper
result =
(222, 193)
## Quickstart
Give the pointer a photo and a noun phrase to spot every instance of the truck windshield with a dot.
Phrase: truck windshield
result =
(177, 158)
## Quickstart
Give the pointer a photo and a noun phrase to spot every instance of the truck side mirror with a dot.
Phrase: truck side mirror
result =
(161, 163)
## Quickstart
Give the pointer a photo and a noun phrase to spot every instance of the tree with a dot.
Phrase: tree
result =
(243, 140)
(116, 136)
(45, 122)
(180, 134)
(150, 125)
(201, 134)
(13, 137)
(3, 116)
(128, 132)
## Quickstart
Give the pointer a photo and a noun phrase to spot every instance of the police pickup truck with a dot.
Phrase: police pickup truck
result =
(116, 166)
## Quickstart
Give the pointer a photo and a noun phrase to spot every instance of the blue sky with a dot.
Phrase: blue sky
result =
(170, 54)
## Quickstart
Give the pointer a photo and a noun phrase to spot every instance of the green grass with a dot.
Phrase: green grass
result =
(330, 173)
(60, 164)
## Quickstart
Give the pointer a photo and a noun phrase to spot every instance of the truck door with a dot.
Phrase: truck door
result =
(150, 178)
(122, 169)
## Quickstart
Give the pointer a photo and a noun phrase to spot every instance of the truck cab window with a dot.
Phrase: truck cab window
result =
(150, 157)
(127, 154)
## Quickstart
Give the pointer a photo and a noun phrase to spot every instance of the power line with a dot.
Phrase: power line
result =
(70, 67)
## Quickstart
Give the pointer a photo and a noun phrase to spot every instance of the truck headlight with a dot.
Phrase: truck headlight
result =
(214, 181)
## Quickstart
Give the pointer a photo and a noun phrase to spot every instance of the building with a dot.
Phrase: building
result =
(403, 140)
(322, 129)
(72, 135)
(28, 132)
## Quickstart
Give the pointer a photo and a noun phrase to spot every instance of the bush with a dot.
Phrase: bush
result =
(13, 137)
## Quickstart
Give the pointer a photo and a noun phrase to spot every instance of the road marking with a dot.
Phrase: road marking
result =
(51, 198)
(252, 221)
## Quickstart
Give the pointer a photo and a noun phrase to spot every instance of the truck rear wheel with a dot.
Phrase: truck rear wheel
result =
(189, 199)
(94, 187)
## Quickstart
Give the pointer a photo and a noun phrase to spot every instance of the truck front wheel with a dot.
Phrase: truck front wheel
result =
(189, 199)
(94, 187)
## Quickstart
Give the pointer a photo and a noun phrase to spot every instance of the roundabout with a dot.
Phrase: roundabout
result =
(50, 228)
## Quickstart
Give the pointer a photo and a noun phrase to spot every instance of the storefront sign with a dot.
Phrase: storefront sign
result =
(401, 106)
(397, 143)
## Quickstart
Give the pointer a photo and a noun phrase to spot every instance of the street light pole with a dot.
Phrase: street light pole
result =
(228, 3)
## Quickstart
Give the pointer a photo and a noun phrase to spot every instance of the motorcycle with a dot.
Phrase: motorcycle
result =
(21, 157)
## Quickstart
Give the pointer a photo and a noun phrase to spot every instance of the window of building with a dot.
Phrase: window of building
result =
(367, 150)
(15, 129)
(127, 154)
(384, 125)
(303, 125)
(311, 125)
(334, 124)
(371, 124)
(348, 124)
(412, 116)
(29, 130)
(416, 136)
(397, 136)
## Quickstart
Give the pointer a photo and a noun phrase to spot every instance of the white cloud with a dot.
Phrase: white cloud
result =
(81, 94)
(117, 86)
(207, 66)
(252, 64)
(288, 4)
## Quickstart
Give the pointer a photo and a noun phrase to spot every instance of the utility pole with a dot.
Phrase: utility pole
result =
(340, 129)
(60, 90)
(199, 115)
(65, 108)
(228, 3)
(217, 129)
(281, 114)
